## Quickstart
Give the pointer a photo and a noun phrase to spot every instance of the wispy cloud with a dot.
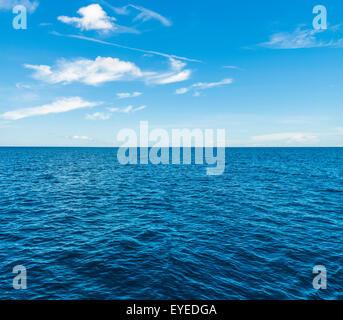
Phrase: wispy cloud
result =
(203, 86)
(177, 73)
(126, 95)
(113, 44)
(59, 106)
(128, 109)
(82, 138)
(106, 69)
(45, 24)
(147, 14)
(20, 85)
(93, 17)
(98, 116)
(232, 67)
(301, 38)
(31, 6)
(144, 15)
(172, 78)
(286, 137)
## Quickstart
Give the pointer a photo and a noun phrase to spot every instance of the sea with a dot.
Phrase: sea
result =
(84, 226)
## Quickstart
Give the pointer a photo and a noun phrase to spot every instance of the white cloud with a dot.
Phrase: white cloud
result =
(182, 90)
(232, 67)
(178, 77)
(300, 39)
(20, 85)
(139, 108)
(144, 15)
(101, 70)
(59, 106)
(126, 95)
(176, 74)
(98, 116)
(207, 85)
(31, 6)
(288, 137)
(128, 109)
(93, 17)
(91, 72)
(203, 86)
(83, 138)
(147, 14)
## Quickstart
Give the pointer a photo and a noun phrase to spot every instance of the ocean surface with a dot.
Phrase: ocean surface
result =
(86, 227)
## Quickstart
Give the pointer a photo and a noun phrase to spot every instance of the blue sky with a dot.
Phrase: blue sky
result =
(83, 70)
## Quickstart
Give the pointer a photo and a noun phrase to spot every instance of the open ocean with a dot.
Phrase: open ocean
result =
(86, 227)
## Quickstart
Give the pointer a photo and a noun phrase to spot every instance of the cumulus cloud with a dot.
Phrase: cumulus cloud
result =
(59, 106)
(101, 70)
(31, 6)
(126, 95)
(98, 116)
(288, 137)
(196, 87)
(128, 109)
(93, 17)
(301, 38)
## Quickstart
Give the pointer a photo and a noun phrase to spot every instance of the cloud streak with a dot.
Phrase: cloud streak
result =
(98, 116)
(301, 39)
(113, 44)
(126, 95)
(288, 137)
(59, 106)
(127, 110)
(144, 15)
(203, 86)
(83, 138)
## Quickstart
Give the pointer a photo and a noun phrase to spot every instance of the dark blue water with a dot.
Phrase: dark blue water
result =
(86, 227)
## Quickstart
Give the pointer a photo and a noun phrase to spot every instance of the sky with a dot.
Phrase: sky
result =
(83, 70)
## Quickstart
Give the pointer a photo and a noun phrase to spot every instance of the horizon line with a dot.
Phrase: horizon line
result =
(193, 147)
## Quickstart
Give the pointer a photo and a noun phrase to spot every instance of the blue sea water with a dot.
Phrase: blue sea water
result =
(86, 227)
